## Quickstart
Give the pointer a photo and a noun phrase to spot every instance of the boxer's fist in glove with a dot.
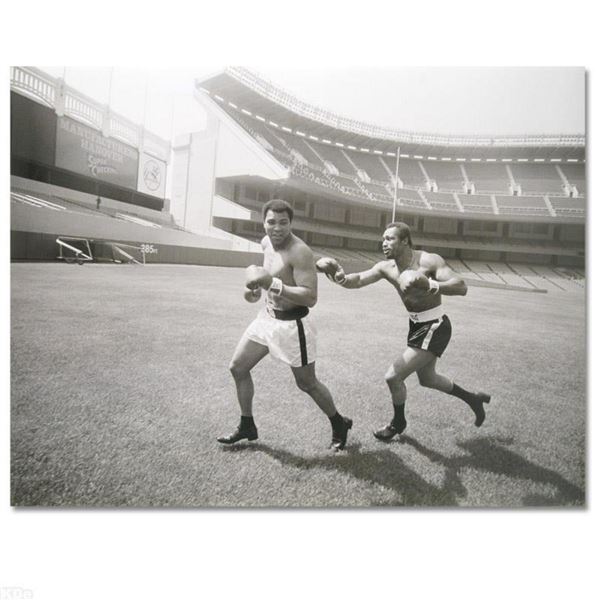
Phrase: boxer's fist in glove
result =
(332, 269)
(252, 295)
(258, 277)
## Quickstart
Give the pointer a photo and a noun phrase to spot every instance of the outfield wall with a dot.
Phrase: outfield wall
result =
(33, 246)
(102, 226)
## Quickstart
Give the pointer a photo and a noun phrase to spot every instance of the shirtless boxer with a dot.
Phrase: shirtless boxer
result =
(420, 278)
(283, 326)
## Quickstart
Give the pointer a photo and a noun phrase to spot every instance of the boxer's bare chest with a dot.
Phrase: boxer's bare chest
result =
(415, 300)
(278, 264)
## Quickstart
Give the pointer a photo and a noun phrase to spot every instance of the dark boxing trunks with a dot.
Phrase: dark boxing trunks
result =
(432, 336)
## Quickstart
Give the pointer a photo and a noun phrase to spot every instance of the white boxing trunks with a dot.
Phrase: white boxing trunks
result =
(290, 335)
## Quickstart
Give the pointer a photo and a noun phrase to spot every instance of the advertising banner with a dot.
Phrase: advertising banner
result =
(152, 176)
(32, 130)
(84, 150)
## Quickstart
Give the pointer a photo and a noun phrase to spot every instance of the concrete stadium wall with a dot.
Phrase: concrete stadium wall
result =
(100, 226)
(440, 225)
(570, 261)
(27, 245)
(222, 149)
(83, 198)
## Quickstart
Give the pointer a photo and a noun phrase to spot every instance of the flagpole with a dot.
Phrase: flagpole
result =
(396, 184)
(145, 102)
(172, 119)
(110, 85)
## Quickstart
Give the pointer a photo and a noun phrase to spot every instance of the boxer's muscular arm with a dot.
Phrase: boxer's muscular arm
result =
(358, 280)
(304, 293)
(450, 282)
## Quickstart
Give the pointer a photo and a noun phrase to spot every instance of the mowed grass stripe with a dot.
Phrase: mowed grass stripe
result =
(120, 385)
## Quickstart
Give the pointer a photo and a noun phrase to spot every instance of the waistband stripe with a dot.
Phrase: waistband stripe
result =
(437, 312)
(298, 312)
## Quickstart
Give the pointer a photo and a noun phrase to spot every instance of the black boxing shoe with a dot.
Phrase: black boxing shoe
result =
(389, 431)
(241, 433)
(340, 434)
(476, 402)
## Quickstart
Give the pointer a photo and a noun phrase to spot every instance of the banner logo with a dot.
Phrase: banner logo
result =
(152, 177)
(99, 167)
(84, 150)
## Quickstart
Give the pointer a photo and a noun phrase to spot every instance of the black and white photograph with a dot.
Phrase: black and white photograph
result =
(351, 287)
(299, 301)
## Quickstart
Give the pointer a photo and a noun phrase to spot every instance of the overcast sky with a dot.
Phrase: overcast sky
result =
(467, 100)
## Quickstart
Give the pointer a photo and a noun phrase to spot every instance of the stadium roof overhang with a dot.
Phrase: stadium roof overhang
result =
(241, 89)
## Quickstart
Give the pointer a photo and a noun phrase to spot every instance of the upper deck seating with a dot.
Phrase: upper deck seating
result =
(441, 201)
(262, 133)
(537, 178)
(568, 206)
(379, 190)
(476, 203)
(410, 173)
(531, 205)
(410, 198)
(488, 177)
(575, 174)
(447, 176)
(371, 164)
(333, 155)
(290, 149)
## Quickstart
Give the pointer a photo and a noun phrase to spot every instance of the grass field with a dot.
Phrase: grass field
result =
(120, 386)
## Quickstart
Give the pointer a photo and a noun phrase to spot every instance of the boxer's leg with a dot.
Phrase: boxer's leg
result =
(247, 354)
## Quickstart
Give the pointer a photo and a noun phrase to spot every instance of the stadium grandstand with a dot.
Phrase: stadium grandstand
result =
(487, 204)
(89, 184)
(479, 201)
